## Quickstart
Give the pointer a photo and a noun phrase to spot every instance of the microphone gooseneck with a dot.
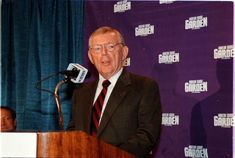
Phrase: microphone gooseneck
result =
(74, 73)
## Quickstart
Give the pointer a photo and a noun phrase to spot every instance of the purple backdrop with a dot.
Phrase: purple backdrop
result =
(188, 48)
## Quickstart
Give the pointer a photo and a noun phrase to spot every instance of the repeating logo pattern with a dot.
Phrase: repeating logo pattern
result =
(144, 30)
(121, 6)
(196, 22)
(196, 86)
(188, 48)
(195, 151)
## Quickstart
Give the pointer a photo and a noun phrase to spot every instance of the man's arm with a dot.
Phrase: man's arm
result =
(149, 124)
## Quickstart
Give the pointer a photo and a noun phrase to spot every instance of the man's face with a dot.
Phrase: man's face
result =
(7, 122)
(107, 53)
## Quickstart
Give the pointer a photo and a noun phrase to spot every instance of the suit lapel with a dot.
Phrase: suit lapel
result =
(116, 97)
(90, 105)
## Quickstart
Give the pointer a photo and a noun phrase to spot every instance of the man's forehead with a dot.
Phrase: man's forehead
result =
(111, 36)
(4, 111)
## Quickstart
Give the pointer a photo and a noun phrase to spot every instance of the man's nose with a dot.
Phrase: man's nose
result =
(104, 50)
(3, 121)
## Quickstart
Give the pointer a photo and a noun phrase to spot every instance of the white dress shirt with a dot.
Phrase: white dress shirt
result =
(99, 88)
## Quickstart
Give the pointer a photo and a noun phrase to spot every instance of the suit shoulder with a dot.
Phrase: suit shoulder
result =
(141, 83)
(85, 85)
(141, 79)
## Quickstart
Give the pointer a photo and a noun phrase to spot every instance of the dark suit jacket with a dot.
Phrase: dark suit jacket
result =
(132, 118)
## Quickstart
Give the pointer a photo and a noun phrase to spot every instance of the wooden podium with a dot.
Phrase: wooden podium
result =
(75, 144)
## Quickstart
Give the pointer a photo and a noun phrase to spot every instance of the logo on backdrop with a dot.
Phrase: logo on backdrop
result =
(144, 30)
(224, 120)
(196, 22)
(122, 6)
(195, 86)
(195, 151)
(224, 52)
(170, 119)
(168, 57)
(166, 1)
(127, 62)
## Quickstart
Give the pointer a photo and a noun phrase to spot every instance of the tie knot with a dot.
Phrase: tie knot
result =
(106, 83)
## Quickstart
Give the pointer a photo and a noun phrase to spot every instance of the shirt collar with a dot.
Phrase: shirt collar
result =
(113, 79)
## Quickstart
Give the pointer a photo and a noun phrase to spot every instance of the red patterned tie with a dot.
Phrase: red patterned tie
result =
(97, 108)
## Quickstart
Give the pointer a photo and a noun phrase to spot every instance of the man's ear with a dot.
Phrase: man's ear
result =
(125, 52)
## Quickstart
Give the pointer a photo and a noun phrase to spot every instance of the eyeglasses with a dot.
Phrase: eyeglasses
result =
(109, 47)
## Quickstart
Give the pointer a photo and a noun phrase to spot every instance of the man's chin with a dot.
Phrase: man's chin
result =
(107, 75)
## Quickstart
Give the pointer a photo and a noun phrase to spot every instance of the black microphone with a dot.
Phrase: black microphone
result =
(70, 73)
(75, 73)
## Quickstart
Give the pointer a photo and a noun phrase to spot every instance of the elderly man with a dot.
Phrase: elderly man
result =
(120, 108)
